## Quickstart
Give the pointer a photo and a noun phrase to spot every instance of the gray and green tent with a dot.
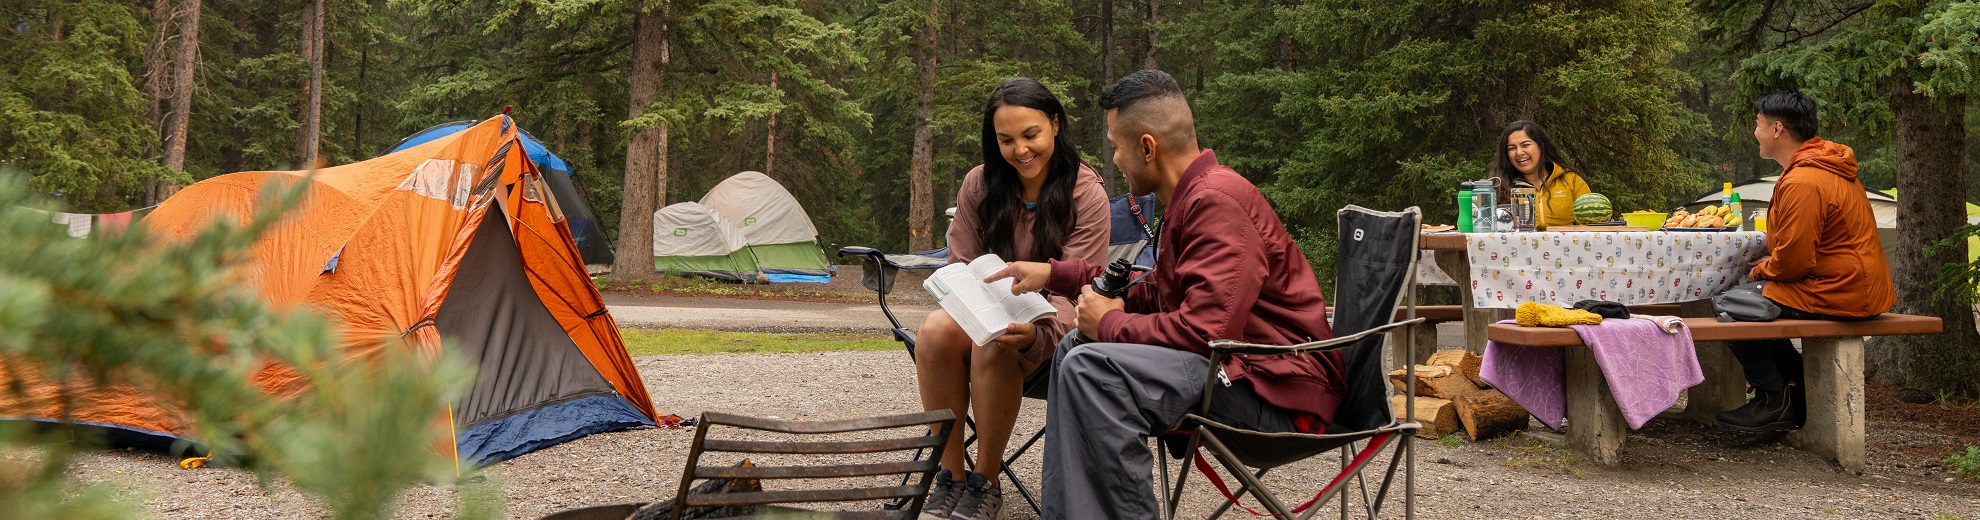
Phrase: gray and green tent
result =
(777, 232)
(691, 240)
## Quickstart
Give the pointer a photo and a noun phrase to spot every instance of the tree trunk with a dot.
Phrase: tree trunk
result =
(311, 130)
(1154, 17)
(182, 88)
(1107, 76)
(1930, 140)
(646, 174)
(157, 74)
(357, 119)
(1286, 53)
(770, 134)
(921, 164)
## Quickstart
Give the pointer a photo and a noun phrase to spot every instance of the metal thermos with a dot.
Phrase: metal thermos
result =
(1485, 206)
(1525, 203)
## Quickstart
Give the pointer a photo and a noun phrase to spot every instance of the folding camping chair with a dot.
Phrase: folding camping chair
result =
(1377, 263)
(1128, 239)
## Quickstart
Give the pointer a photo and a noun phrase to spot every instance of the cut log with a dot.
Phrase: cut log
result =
(1464, 362)
(1489, 414)
(1434, 381)
(1438, 416)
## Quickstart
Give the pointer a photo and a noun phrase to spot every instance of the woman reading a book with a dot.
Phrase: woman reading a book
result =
(1032, 199)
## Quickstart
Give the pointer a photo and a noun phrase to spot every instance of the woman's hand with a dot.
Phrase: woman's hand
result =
(1019, 338)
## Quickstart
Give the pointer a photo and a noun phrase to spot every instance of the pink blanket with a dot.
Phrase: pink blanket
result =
(1645, 367)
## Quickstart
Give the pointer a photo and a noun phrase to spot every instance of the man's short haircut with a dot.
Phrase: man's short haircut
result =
(1793, 110)
(1150, 102)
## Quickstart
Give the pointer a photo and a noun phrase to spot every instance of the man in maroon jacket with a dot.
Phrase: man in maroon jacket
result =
(1225, 268)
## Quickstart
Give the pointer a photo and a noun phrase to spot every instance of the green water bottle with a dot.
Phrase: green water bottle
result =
(1464, 207)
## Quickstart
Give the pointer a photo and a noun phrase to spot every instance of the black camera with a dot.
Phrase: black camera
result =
(1112, 284)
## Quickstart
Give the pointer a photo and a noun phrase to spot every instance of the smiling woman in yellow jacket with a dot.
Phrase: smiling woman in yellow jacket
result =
(1527, 154)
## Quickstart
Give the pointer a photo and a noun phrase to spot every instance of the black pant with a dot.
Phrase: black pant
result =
(1771, 363)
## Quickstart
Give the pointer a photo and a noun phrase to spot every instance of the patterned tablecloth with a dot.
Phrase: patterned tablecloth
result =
(1629, 267)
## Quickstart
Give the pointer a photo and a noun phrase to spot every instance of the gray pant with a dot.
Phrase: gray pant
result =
(1106, 400)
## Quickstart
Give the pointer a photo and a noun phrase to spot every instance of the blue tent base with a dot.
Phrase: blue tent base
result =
(509, 437)
(804, 278)
(119, 436)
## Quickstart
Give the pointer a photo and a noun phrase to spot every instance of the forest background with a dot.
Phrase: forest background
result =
(869, 110)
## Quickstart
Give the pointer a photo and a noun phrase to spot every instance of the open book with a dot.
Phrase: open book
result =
(983, 310)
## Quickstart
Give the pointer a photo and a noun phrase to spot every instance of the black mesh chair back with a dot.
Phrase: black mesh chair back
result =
(1377, 257)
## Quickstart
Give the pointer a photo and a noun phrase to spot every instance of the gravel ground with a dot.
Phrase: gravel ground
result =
(1673, 469)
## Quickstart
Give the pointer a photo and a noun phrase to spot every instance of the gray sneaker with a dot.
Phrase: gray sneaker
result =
(942, 497)
(981, 500)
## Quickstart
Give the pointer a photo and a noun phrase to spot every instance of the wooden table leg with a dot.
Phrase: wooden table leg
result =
(1425, 335)
(1833, 373)
(1458, 266)
(1595, 426)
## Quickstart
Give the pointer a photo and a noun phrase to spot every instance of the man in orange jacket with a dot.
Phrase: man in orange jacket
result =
(1823, 261)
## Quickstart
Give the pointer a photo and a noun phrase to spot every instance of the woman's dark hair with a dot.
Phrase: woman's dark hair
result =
(1003, 192)
(1502, 166)
(1793, 110)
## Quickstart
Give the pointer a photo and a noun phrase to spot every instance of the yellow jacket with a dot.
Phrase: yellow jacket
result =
(1556, 201)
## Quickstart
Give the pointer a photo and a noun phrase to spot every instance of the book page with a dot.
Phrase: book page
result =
(979, 312)
(984, 311)
(1022, 308)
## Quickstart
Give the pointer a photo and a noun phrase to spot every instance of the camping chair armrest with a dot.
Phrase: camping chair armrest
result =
(1228, 347)
(851, 251)
(1223, 348)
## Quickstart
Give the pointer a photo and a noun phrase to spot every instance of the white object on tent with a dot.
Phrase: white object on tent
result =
(691, 229)
(767, 213)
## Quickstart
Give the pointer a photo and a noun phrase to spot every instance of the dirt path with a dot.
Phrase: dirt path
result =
(1672, 469)
(846, 307)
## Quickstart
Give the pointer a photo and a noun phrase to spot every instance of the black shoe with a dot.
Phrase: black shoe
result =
(1798, 396)
(1767, 412)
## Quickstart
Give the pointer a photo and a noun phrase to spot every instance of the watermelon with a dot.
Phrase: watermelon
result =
(1592, 208)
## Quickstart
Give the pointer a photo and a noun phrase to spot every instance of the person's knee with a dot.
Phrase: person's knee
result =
(941, 337)
(1084, 363)
(992, 354)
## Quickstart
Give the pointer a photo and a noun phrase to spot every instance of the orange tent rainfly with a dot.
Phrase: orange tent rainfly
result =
(457, 238)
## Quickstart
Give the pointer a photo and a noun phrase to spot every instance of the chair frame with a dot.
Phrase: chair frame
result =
(1202, 432)
(1202, 436)
(884, 274)
(940, 425)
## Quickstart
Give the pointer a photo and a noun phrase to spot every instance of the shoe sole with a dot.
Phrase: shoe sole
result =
(1772, 427)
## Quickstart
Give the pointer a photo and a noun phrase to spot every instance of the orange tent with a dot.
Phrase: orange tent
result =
(457, 238)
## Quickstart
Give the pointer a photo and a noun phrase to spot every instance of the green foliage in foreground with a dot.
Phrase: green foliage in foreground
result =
(641, 342)
(1966, 464)
(175, 320)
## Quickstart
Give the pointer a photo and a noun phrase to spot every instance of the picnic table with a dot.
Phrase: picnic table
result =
(1495, 272)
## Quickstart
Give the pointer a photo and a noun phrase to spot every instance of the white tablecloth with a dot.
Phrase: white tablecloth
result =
(1628, 267)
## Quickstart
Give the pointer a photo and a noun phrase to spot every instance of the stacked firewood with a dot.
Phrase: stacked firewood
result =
(1451, 397)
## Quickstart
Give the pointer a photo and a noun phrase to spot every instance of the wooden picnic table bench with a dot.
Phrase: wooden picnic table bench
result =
(1832, 359)
(1426, 332)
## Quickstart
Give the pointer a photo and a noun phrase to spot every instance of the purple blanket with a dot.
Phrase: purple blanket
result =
(1645, 367)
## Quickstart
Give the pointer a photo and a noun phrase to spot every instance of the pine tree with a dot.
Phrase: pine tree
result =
(72, 115)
